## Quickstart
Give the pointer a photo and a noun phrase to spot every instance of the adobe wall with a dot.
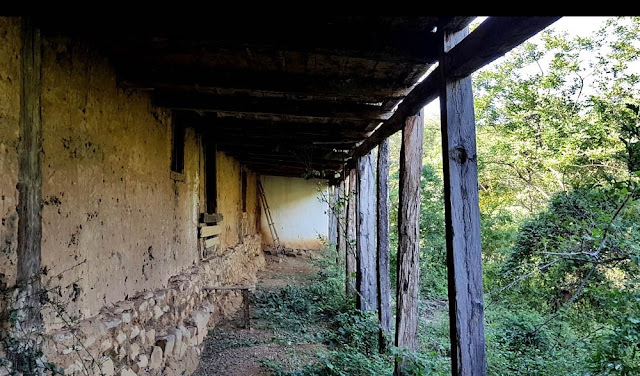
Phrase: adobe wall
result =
(298, 209)
(120, 232)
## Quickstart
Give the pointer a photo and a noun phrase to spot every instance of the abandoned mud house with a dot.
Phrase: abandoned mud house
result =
(132, 152)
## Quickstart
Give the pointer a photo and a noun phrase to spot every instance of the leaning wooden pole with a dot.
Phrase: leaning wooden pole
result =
(462, 217)
(366, 250)
(384, 283)
(350, 257)
(408, 236)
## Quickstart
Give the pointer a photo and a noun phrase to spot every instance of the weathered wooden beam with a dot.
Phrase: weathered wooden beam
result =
(29, 208)
(293, 164)
(291, 138)
(318, 157)
(282, 147)
(290, 172)
(333, 221)
(383, 269)
(350, 260)
(462, 220)
(366, 250)
(211, 242)
(341, 221)
(211, 217)
(208, 231)
(409, 236)
(213, 124)
(492, 39)
(403, 47)
(353, 88)
(205, 102)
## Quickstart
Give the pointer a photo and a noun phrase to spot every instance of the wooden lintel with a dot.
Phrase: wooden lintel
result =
(210, 217)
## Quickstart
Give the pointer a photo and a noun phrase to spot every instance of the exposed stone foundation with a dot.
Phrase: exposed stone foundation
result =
(159, 332)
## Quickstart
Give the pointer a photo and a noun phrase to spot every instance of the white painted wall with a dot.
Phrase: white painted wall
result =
(298, 211)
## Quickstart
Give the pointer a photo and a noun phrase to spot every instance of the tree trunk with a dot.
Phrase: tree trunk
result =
(462, 217)
(408, 236)
(350, 259)
(384, 284)
(366, 250)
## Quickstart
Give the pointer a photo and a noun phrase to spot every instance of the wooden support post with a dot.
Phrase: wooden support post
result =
(462, 217)
(29, 250)
(366, 250)
(384, 283)
(341, 223)
(245, 299)
(350, 259)
(333, 229)
(409, 235)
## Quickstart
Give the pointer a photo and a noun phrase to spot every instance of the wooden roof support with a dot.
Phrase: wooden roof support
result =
(383, 270)
(341, 214)
(366, 250)
(356, 88)
(462, 219)
(409, 236)
(196, 101)
(350, 260)
(492, 39)
(332, 195)
(29, 209)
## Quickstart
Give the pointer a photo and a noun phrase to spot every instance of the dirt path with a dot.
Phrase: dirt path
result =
(233, 351)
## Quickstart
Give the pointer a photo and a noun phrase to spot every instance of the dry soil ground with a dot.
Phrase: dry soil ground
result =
(231, 350)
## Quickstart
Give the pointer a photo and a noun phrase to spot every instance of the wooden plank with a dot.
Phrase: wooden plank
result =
(350, 260)
(29, 247)
(211, 242)
(409, 236)
(492, 39)
(208, 231)
(366, 250)
(384, 282)
(211, 217)
(462, 219)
